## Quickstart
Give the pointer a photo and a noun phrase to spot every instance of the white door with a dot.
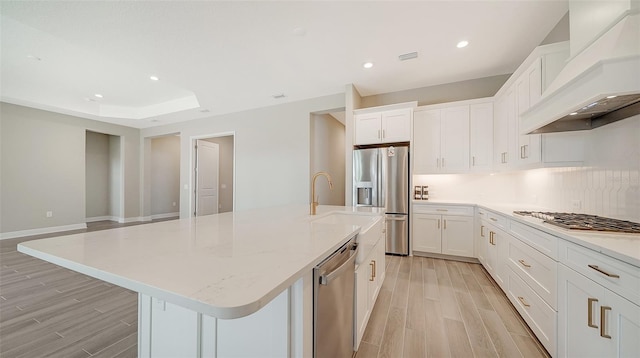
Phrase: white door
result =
(207, 157)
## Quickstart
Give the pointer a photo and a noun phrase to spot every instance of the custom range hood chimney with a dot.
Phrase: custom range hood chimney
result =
(600, 83)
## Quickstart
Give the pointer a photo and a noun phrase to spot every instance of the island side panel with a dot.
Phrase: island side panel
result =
(282, 328)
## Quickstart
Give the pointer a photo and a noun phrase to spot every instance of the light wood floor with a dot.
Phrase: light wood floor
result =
(440, 308)
(426, 308)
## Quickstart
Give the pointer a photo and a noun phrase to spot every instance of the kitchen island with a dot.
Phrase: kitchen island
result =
(221, 285)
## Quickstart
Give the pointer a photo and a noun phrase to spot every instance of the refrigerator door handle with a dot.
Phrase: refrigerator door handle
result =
(397, 218)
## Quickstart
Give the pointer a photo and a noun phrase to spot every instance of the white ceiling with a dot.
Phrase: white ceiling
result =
(224, 57)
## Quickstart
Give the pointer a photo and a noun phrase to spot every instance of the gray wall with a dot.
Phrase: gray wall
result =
(43, 168)
(97, 175)
(450, 92)
(225, 174)
(165, 175)
(327, 154)
(271, 151)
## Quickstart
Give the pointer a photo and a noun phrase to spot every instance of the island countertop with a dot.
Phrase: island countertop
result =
(227, 265)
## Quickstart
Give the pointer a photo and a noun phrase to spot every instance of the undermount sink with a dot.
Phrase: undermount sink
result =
(371, 228)
(364, 221)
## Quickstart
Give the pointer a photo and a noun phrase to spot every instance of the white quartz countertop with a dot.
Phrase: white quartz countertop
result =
(227, 265)
(622, 246)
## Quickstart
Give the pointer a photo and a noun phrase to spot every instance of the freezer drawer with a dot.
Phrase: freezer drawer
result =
(397, 235)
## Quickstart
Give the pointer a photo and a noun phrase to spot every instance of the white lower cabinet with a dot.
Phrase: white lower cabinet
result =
(497, 248)
(598, 311)
(447, 234)
(369, 277)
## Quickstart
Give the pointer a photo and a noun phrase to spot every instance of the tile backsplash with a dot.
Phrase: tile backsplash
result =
(607, 185)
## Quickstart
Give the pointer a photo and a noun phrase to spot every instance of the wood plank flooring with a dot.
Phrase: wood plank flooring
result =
(426, 308)
(439, 308)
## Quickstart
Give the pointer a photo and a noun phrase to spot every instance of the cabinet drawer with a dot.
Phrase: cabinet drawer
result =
(540, 240)
(540, 317)
(539, 271)
(443, 210)
(497, 220)
(619, 277)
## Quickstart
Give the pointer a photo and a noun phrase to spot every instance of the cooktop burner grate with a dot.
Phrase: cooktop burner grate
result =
(574, 221)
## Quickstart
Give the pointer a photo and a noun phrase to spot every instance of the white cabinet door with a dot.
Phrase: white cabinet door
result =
(368, 128)
(454, 147)
(363, 310)
(427, 235)
(457, 235)
(579, 315)
(481, 242)
(426, 141)
(497, 255)
(593, 321)
(528, 93)
(396, 126)
(481, 136)
(500, 133)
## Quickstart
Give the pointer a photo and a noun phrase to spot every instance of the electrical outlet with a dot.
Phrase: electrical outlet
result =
(577, 205)
(49, 214)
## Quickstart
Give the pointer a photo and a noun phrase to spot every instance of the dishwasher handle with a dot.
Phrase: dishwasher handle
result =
(350, 263)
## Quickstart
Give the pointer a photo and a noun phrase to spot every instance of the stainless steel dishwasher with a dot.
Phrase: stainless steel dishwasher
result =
(333, 290)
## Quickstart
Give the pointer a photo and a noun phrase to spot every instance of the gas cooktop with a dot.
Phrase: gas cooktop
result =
(584, 222)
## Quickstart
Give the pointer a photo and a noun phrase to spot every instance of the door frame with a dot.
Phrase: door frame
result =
(192, 165)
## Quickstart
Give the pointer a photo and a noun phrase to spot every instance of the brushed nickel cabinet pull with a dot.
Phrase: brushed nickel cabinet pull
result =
(383, 133)
(372, 271)
(590, 302)
(506, 157)
(493, 219)
(524, 303)
(443, 162)
(522, 152)
(526, 151)
(595, 267)
(379, 134)
(445, 224)
(473, 161)
(374, 268)
(603, 320)
(481, 230)
(442, 210)
(523, 263)
(438, 223)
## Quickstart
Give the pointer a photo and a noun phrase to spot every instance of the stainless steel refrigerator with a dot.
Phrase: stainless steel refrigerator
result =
(381, 178)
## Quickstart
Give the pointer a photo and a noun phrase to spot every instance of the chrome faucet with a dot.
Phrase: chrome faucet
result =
(314, 200)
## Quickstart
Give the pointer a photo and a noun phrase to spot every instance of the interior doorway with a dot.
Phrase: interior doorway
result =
(213, 174)
(327, 153)
(104, 177)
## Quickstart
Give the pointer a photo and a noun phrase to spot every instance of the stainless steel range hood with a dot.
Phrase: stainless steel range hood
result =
(599, 85)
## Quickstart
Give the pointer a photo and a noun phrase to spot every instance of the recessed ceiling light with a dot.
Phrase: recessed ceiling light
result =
(367, 65)
(98, 95)
(153, 78)
(462, 44)
(609, 97)
(35, 58)
(573, 113)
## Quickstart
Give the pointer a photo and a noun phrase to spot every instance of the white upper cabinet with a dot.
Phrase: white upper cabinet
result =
(481, 136)
(441, 140)
(383, 126)
(528, 93)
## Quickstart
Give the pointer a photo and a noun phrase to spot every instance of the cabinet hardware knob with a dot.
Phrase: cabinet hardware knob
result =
(595, 267)
(603, 320)
(523, 263)
(590, 302)
(524, 303)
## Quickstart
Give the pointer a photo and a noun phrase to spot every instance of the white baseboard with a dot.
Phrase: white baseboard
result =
(101, 218)
(40, 231)
(165, 215)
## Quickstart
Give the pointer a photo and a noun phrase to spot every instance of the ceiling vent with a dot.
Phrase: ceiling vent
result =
(408, 56)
